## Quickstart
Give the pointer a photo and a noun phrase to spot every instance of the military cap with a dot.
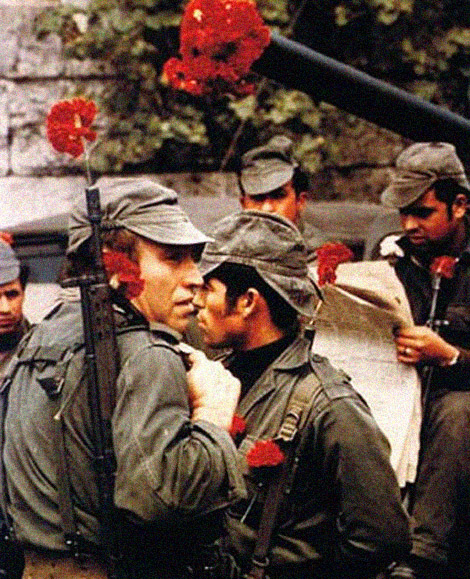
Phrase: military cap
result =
(141, 206)
(417, 168)
(268, 167)
(9, 264)
(273, 246)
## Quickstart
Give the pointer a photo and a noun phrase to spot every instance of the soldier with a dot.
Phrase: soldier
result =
(271, 180)
(13, 324)
(175, 460)
(431, 192)
(341, 515)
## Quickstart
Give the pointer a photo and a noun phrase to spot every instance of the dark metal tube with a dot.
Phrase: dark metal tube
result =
(294, 65)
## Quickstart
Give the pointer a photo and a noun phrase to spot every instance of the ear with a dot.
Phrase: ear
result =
(248, 302)
(459, 206)
(302, 200)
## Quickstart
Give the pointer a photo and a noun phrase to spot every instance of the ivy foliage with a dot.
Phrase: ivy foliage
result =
(420, 45)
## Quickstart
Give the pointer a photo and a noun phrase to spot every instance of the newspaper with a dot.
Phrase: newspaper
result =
(354, 329)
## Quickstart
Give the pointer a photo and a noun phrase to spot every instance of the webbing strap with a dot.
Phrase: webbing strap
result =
(64, 491)
(302, 399)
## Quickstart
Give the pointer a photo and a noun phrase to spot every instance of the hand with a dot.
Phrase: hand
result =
(213, 391)
(421, 344)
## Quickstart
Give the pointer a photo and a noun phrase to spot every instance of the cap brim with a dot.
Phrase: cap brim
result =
(397, 199)
(9, 273)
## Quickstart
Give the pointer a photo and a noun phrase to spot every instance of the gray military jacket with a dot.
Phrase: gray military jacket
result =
(168, 467)
(343, 515)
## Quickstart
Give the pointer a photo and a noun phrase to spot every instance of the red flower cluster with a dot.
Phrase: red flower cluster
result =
(264, 453)
(6, 237)
(238, 425)
(119, 266)
(68, 123)
(330, 255)
(219, 41)
(444, 266)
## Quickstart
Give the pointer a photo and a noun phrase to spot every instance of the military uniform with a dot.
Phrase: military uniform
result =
(341, 515)
(440, 506)
(170, 469)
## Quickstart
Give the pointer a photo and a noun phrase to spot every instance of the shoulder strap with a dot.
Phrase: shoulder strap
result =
(302, 399)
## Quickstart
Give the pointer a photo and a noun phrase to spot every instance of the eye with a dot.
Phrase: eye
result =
(277, 194)
(419, 212)
(176, 253)
(12, 294)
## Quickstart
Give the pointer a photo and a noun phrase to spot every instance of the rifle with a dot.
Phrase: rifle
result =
(102, 364)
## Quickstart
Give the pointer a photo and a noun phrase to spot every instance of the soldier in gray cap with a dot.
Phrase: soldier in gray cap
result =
(13, 324)
(271, 180)
(341, 514)
(175, 460)
(430, 191)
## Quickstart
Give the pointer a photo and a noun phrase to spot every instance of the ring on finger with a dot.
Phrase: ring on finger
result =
(407, 351)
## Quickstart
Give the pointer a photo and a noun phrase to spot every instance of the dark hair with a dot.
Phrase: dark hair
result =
(300, 181)
(238, 278)
(80, 262)
(446, 191)
(24, 274)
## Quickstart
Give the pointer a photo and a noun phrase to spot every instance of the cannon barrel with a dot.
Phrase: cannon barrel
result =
(297, 66)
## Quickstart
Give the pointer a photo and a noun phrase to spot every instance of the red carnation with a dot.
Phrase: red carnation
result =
(68, 123)
(444, 266)
(125, 271)
(219, 41)
(330, 255)
(238, 426)
(265, 453)
(6, 237)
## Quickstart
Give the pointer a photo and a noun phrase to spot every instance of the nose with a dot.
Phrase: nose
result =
(267, 205)
(198, 300)
(5, 306)
(192, 278)
(409, 222)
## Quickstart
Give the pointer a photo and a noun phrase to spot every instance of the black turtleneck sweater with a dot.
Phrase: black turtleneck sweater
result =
(249, 365)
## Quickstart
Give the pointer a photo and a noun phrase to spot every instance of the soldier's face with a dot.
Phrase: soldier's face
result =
(220, 325)
(171, 277)
(427, 222)
(282, 201)
(11, 306)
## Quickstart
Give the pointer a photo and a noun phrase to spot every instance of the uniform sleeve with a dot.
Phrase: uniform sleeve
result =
(371, 522)
(167, 466)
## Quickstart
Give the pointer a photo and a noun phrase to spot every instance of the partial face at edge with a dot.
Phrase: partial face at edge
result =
(11, 306)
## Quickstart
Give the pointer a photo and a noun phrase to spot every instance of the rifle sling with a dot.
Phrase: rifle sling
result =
(292, 433)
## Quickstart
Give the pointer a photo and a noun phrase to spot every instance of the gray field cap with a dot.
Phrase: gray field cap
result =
(9, 264)
(417, 168)
(267, 167)
(273, 246)
(141, 206)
